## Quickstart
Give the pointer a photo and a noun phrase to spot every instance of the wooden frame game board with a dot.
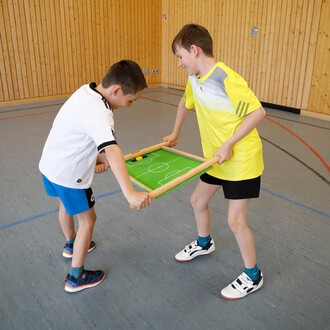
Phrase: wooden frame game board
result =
(159, 170)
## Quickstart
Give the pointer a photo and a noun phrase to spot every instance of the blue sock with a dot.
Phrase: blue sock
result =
(253, 273)
(76, 271)
(71, 241)
(202, 241)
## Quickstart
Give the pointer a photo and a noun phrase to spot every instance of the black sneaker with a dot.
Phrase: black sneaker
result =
(68, 249)
(87, 279)
(194, 250)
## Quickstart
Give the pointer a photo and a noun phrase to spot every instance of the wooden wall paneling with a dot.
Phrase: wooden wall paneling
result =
(63, 50)
(17, 46)
(165, 61)
(58, 44)
(34, 88)
(112, 32)
(105, 19)
(67, 51)
(316, 13)
(295, 32)
(101, 48)
(139, 51)
(23, 49)
(2, 69)
(320, 86)
(48, 48)
(1, 86)
(52, 47)
(280, 68)
(40, 47)
(90, 35)
(144, 52)
(121, 44)
(233, 39)
(73, 37)
(271, 48)
(11, 67)
(171, 23)
(284, 39)
(97, 47)
(224, 50)
(299, 75)
(85, 69)
(245, 21)
(267, 47)
(93, 56)
(5, 76)
(258, 41)
(306, 28)
(79, 45)
(43, 42)
(251, 45)
(243, 32)
(268, 50)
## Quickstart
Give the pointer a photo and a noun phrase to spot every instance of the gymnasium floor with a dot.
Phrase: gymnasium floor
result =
(145, 288)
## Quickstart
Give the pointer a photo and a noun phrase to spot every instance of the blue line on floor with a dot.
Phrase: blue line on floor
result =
(296, 203)
(118, 191)
(29, 219)
(51, 212)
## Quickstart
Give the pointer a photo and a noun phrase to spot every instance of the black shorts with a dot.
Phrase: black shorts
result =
(244, 189)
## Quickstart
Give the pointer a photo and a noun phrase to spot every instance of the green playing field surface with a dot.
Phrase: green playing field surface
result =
(159, 167)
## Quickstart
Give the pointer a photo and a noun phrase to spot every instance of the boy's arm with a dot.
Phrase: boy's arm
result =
(180, 117)
(249, 123)
(115, 157)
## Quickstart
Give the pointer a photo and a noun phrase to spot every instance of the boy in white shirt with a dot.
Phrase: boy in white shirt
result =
(83, 128)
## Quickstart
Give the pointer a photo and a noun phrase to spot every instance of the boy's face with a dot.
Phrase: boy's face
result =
(187, 60)
(120, 100)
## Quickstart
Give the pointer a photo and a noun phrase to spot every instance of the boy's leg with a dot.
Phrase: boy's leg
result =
(237, 222)
(199, 201)
(84, 235)
(66, 222)
(244, 284)
(80, 278)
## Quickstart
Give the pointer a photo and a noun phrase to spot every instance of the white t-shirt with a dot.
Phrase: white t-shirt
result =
(83, 127)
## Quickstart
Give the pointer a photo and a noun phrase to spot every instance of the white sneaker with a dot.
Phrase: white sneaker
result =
(194, 250)
(241, 287)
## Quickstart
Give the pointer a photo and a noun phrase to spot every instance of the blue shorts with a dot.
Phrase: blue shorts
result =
(75, 201)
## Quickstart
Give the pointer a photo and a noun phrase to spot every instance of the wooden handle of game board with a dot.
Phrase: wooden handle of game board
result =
(170, 185)
(146, 150)
(140, 152)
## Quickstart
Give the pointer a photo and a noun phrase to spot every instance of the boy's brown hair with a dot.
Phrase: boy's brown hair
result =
(128, 75)
(194, 34)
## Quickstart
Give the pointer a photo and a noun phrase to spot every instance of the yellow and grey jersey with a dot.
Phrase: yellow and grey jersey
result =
(222, 99)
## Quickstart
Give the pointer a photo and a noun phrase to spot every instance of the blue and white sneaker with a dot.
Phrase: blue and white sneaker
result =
(194, 250)
(68, 249)
(242, 286)
(87, 279)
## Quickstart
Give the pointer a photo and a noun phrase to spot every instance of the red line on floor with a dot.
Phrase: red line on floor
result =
(32, 114)
(304, 142)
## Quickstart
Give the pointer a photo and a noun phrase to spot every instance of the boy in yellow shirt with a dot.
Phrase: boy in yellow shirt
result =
(227, 113)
